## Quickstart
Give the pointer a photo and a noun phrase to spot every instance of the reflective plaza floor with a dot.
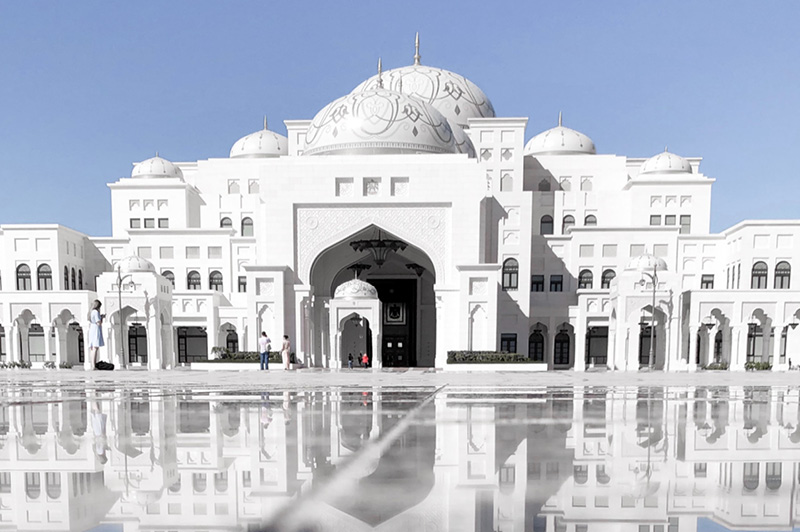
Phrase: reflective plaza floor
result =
(92, 455)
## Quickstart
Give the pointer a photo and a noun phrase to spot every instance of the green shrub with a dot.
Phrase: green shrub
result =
(716, 366)
(486, 357)
(65, 365)
(757, 366)
(225, 355)
(49, 365)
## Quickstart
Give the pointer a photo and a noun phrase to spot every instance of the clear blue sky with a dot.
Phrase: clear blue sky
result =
(87, 88)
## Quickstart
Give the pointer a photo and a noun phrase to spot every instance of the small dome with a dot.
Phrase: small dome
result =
(156, 167)
(261, 144)
(378, 121)
(560, 141)
(666, 163)
(646, 263)
(355, 289)
(134, 264)
(453, 95)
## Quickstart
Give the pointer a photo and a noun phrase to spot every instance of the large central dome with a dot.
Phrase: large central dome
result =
(378, 121)
(453, 95)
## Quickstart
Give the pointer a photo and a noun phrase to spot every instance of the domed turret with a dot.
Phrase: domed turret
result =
(378, 121)
(135, 264)
(560, 140)
(355, 289)
(453, 95)
(261, 144)
(666, 163)
(156, 167)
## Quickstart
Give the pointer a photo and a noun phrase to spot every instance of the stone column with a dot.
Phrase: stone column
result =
(693, 348)
(633, 348)
(776, 349)
(13, 340)
(154, 354)
(49, 348)
(24, 348)
(87, 355)
(62, 333)
(611, 352)
(580, 345)
(739, 349)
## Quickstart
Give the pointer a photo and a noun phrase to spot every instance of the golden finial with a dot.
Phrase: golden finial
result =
(380, 74)
(265, 121)
(559, 119)
(416, 50)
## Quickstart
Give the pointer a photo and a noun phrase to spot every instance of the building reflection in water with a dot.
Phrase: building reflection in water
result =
(547, 460)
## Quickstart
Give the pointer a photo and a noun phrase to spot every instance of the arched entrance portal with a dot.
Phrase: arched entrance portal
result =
(404, 277)
(356, 339)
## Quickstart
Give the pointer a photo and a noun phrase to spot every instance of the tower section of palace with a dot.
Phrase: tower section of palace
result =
(406, 220)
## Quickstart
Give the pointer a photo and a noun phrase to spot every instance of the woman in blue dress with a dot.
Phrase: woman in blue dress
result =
(95, 334)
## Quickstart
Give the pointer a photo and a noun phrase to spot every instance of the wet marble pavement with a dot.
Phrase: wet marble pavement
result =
(84, 455)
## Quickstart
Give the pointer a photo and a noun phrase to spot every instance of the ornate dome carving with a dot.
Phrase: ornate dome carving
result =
(462, 141)
(666, 163)
(134, 264)
(560, 140)
(157, 167)
(453, 95)
(355, 289)
(261, 144)
(647, 263)
(378, 121)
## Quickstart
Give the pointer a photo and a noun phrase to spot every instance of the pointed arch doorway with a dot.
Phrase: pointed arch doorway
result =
(404, 280)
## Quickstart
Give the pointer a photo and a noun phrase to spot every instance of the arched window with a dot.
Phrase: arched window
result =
(176, 486)
(44, 277)
(80, 279)
(226, 223)
(774, 478)
(783, 272)
(585, 279)
(561, 349)
(568, 223)
(602, 476)
(169, 276)
(580, 473)
(546, 225)
(215, 281)
(536, 346)
(608, 276)
(750, 475)
(23, 277)
(74, 280)
(510, 275)
(193, 281)
(590, 220)
(758, 279)
(53, 485)
(247, 227)
(221, 482)
(544, 185)
(199, 482)
(33, 485)
(232, 341)
(66, 278)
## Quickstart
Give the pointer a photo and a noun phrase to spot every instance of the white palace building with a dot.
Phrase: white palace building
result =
(407, 220)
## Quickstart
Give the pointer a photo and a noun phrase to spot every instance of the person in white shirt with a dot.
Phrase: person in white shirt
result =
(264, 345)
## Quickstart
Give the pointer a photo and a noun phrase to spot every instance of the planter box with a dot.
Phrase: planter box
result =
(496, 367)
(238, 366)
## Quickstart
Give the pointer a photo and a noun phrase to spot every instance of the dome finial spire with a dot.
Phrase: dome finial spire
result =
(156, 153)
(380, 74)
(665, 149)
(416, 50)
(265, 121)
(559, 119)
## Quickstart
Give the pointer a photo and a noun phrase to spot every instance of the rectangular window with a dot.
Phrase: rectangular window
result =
(609, 250)
(655, 219)
(537, 283)
(136, 223)
(192, 252)
(637, 250)
(507, 474)
(163, 223)
(242, 284)
(670, 219)
(686, 224)
(166, 252)
(508, 343)
(700, 469)
(145, 252)
(214, 252)
(707, 281)
(586, 250)
(660, 250)
(149, 223)
(556, 283)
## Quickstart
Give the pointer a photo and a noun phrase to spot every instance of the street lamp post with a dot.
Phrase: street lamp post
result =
(649, 266)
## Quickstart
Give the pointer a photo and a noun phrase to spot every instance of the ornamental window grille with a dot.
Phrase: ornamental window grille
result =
(783, 273)
(585, 279)
(193, 281)
(215, 281)
(758, 276)
(44, 277)
(169, 276)
(23, 277)
(608, 276)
